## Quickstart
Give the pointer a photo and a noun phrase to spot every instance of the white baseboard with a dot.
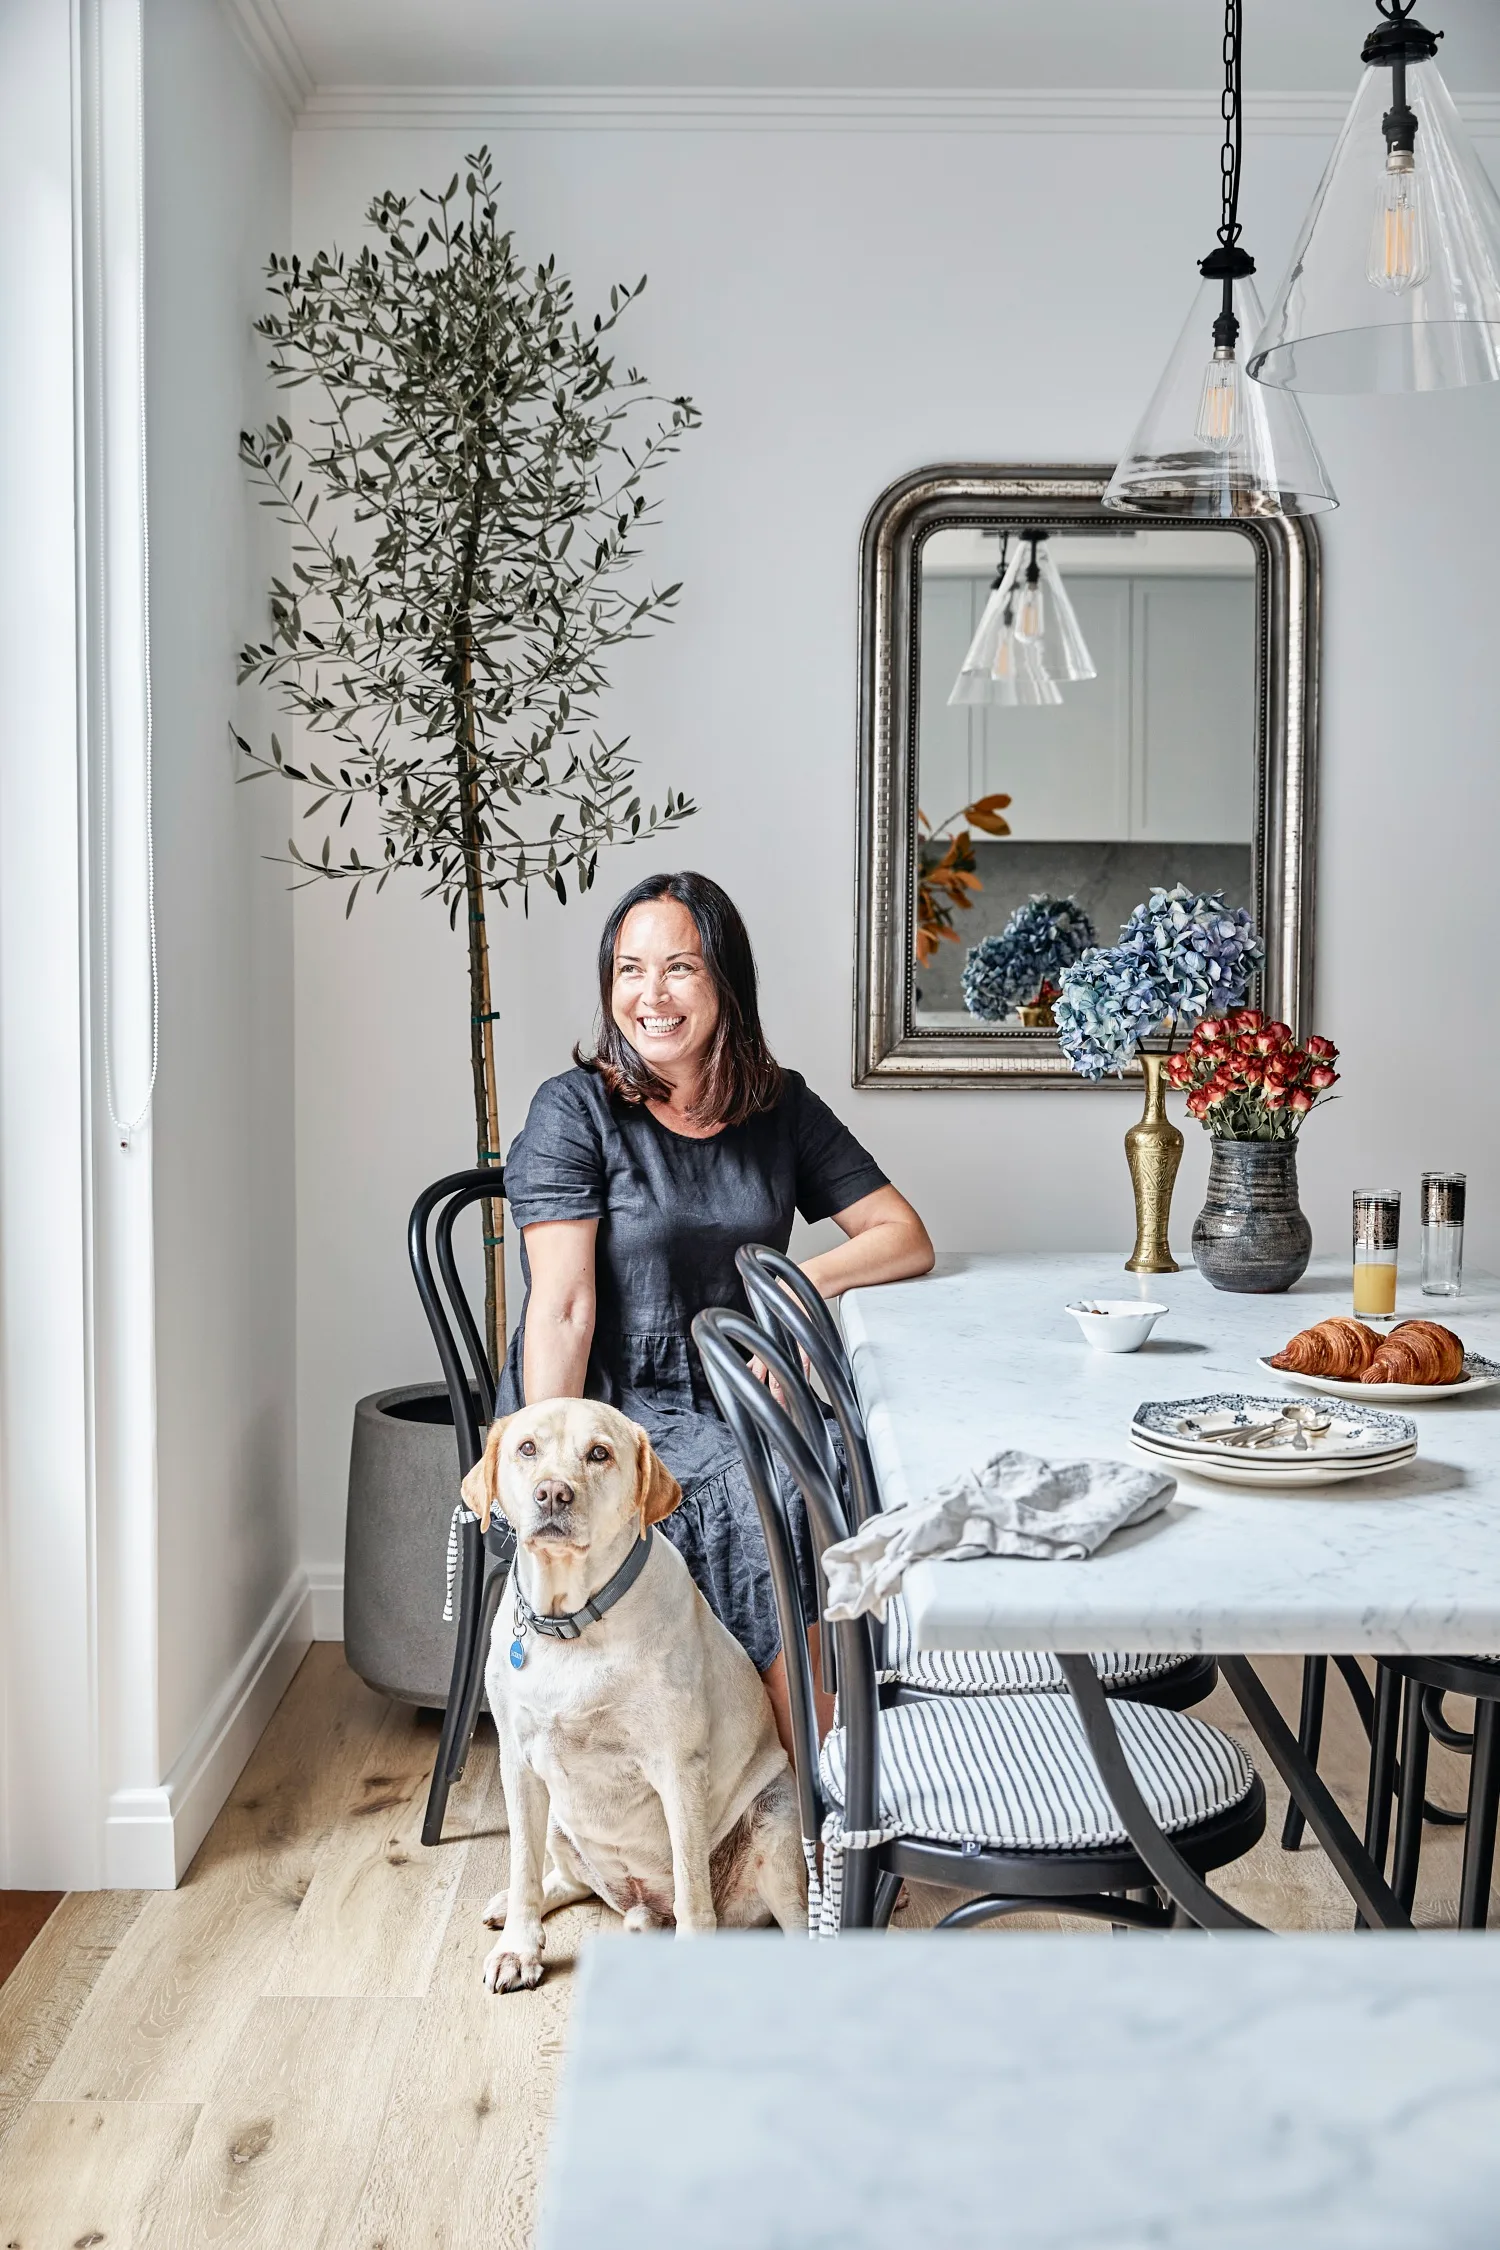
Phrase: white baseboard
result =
(325, 1586)
(150, 1835)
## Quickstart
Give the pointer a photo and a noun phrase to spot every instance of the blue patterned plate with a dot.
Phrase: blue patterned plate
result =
(1220, 1424)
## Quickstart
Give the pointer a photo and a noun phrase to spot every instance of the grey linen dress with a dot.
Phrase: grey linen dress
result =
(672, 1212)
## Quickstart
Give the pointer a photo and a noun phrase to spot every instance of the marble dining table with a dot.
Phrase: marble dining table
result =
(1036, 2092)
(981, 1355)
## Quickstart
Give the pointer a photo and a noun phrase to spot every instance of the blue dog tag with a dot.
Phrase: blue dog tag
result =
(517, 1654)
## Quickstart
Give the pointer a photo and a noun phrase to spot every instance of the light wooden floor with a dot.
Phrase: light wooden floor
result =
(293, 2051)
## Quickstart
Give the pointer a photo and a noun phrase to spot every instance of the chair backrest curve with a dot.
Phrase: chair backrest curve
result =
(721, 1336)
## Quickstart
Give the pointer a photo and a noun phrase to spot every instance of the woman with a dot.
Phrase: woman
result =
(637, 1176)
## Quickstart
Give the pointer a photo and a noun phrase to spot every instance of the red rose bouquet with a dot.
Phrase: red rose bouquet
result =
(1248, 1080)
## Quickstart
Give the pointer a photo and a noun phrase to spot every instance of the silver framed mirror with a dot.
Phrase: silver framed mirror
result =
(1180, 745)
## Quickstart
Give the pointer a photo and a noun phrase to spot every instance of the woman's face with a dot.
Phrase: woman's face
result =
(664, 999)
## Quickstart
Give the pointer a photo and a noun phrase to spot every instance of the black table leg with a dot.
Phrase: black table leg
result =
(1190, 1895)
(1357, 1871)
(1310, 1737)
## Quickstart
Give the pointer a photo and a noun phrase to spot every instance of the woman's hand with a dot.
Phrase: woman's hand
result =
(887, 1242)
(560, 1315)
(762, 1374)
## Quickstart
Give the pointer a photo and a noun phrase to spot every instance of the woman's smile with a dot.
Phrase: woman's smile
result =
(664, 998)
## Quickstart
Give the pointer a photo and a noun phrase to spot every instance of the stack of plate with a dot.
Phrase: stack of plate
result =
(1272, 1441)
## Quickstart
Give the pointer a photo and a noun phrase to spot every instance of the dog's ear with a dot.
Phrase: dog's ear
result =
(657, 1491)
(481, 1487)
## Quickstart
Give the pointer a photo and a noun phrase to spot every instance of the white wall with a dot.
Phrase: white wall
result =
(844, 306)
(217, 192)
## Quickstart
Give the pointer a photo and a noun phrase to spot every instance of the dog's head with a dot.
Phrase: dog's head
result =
(570, 1474)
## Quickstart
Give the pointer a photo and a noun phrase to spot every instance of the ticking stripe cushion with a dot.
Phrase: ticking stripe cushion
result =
(958, 1671)
(1015, 1773)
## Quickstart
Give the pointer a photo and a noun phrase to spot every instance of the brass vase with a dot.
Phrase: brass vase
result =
(1038, 1015)
(1153, 1149)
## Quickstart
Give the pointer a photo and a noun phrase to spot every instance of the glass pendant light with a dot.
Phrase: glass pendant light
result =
(1211, 444)
(1047, 619)
(1027, 637)
(1394, 284)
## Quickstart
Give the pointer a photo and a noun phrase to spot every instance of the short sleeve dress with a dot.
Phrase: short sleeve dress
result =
(672, 1212)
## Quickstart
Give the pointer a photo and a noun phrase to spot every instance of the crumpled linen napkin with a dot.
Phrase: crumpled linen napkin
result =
(1016, 1504)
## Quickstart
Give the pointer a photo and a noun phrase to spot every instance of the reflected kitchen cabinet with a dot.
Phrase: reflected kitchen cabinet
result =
(1192, 750)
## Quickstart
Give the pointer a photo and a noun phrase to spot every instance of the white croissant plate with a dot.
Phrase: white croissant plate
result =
(1478, 1375)
(1272, 1475)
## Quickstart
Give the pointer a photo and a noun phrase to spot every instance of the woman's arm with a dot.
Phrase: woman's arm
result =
(887, 1242)
(560, 1315)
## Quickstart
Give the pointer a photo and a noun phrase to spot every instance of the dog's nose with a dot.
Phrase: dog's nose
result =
(553, 1496)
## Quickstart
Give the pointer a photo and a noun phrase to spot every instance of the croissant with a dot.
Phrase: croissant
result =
(1417, 1351)
(1341, 1349)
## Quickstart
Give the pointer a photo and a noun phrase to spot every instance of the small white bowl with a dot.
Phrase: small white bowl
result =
(1116, 1324)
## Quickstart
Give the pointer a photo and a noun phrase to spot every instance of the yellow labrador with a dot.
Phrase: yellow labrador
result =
(638, 1749)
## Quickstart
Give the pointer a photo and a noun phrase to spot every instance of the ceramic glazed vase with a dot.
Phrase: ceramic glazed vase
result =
(1251, 1234)
(1153, 1150)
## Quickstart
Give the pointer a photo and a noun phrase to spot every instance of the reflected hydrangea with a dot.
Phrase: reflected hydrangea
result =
(1012, 968)
(1182, 955)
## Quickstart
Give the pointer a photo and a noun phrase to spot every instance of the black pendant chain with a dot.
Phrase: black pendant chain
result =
(1229, 110)
(1229, 263)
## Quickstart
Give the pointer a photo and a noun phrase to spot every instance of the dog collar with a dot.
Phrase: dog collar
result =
(572, 1623)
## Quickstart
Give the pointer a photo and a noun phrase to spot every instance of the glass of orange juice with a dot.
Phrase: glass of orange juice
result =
(1377, 1223)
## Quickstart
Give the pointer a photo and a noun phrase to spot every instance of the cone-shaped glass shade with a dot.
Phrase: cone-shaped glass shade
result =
(1064, 651)
(1395, 281)
(1000, 668)
(1212, 443)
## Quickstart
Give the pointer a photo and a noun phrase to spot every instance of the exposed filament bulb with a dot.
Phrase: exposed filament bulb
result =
(1219, 403)
(1030, 616)
(1399, 256)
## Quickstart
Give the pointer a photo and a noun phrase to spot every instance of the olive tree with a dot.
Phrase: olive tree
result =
(466, 482)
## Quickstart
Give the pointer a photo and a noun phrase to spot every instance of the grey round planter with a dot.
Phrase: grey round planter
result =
(403, 1486)
(1252, 1234)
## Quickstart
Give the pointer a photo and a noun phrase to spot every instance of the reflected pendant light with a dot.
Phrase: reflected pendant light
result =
(1046, 619)
(1028, 636)
(1394, 284)
(1211, 444)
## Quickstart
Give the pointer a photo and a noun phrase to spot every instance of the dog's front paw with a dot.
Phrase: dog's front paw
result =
(494, 1913)
(506, 1970)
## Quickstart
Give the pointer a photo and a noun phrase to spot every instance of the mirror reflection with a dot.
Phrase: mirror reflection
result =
(1086, 732)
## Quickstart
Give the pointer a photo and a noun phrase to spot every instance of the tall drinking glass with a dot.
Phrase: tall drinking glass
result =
(1442, 1233)
(1377, 1223)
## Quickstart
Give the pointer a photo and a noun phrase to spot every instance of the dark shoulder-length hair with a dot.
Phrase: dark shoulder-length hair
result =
(741, 1076)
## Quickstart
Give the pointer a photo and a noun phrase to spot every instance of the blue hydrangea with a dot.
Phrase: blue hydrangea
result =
(1007, 971)
(1182, 955)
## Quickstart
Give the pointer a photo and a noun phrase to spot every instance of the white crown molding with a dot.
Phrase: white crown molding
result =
(264, 34)
(793, 109)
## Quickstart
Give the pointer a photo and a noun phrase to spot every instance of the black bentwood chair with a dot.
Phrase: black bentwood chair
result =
(1419, 1685)
(789, 1308)
(484, 1561)
(995, 1795)
(1377, 1713)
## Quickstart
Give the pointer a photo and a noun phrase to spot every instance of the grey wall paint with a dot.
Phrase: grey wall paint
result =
(217, 197)
(845, 307)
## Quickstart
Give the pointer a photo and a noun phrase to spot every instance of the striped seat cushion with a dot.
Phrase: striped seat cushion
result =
(1015, 1773)
(961, 1671)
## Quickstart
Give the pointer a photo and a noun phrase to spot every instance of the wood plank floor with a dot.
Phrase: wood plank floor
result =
(293, 2051)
